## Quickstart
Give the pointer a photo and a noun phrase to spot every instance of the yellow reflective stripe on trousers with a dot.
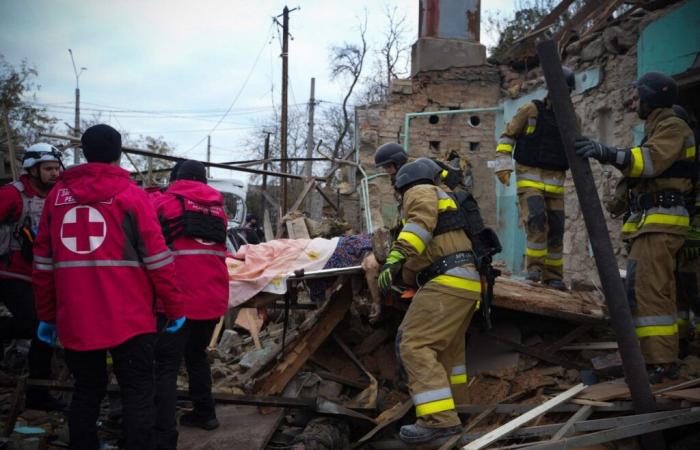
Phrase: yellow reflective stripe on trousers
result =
(435, 401)
(657, 330)
(541, 186)
(458, 375)
(413, 240)
(554, 262)
(505, 148)
(534, 253)
(458, 283)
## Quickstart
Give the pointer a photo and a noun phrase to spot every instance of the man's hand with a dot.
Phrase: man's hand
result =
(47, 333)
(375, 313)
(588, 148)
(175, 325)
(390, 270)
(504, 177)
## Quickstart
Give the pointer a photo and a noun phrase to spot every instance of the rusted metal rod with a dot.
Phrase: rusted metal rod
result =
(613, 289)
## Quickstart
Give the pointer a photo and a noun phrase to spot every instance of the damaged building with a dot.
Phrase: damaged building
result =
(455, 100)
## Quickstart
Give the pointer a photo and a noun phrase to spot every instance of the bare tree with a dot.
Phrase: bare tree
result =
(394, 48)
(347, 61)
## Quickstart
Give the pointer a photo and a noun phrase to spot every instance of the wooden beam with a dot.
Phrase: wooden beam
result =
(516, 423)
(566, 429)
(307, 344)
(326, 198)
(307, 188)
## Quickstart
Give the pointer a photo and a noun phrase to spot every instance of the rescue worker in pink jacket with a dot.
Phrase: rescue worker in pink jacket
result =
(100, 261)
(194, 224)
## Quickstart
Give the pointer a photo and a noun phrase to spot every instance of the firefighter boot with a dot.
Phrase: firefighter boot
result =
(417, 434)
(662, 372)
(196, 421)
(534, 276)
(556, 284)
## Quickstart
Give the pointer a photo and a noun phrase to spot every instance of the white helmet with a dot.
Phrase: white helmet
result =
(38, 153)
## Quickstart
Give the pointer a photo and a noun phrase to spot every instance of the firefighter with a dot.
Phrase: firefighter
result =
(532, 139)
(689, 257)
(194, 224)
(99, 261)
(21, 203)
(659, 174)
(433, 253)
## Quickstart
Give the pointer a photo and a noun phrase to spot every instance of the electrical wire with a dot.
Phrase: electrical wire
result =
(240, 91)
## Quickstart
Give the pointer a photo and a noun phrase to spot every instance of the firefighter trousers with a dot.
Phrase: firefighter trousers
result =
(651, 291)
(431, 351)
(542, 214)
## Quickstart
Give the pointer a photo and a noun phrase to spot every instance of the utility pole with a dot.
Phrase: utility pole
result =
(76, 127)
(208, 156)
(308, 167)
(310, 132)
(283, 126)
(267, 225)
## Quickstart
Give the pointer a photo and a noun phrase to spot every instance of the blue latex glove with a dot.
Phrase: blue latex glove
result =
(47, 333)
(175, 325)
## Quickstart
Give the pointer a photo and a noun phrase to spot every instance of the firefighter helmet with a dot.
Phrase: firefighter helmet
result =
(390, 153)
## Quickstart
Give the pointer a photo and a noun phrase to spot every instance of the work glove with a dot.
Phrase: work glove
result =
(691, 249)
(504, 177)
(588, 148)
(175, 325)
(390, 270)
(47, 333)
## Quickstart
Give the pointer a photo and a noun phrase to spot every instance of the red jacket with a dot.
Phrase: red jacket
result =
(201, 265)
(11, 205)
(100, 259)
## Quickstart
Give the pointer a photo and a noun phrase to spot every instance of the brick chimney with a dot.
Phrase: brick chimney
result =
(448, 35)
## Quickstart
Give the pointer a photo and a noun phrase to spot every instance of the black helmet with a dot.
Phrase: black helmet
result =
(680, 111)
(657, 90)
(390, 153)
(570, 77)
(421, 170)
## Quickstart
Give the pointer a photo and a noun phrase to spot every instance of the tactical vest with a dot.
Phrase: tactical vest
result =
(197, 222)
(543, 148)
(12, 234)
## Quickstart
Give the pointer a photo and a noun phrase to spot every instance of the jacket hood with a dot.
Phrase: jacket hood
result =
(95, 182)
(196, 191)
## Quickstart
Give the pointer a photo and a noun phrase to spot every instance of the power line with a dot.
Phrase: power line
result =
(240, 91)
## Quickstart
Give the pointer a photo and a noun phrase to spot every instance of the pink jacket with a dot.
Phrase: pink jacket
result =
(201, 265)
(100, 260)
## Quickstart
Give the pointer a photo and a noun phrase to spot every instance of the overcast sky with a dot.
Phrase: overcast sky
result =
(172, 68)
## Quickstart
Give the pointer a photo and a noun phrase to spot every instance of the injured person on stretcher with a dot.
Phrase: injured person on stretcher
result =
(265, 267)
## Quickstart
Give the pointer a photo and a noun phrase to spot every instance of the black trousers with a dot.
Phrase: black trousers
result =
(133, 365)
(191, 341)
(18, 296)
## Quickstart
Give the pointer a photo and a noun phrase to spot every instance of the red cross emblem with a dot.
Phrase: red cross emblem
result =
(83, 229)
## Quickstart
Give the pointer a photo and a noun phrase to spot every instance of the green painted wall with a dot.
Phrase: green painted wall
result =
(671, 43)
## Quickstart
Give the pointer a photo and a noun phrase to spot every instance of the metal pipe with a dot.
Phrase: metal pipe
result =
(137, 151)
(407, 118)
(615, 295)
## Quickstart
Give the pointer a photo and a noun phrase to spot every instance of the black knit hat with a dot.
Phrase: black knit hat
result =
(101, 143)
(192, 170)
(173, 171)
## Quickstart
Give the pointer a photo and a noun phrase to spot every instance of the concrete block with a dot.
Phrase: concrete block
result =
(440, 54)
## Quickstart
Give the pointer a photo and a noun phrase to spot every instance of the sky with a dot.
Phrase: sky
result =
(172, 68)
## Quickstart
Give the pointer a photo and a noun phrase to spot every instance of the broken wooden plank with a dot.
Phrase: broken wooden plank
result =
(592, 346)
(516, 423)
(326, 198)
(307, 188)
(582, 307)
(614, 434)
(568, 338)
(296, 228)
(385, 419)
(567, 428)
(691, 395)
(307, 344)
(683, 385)
(451, 442)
